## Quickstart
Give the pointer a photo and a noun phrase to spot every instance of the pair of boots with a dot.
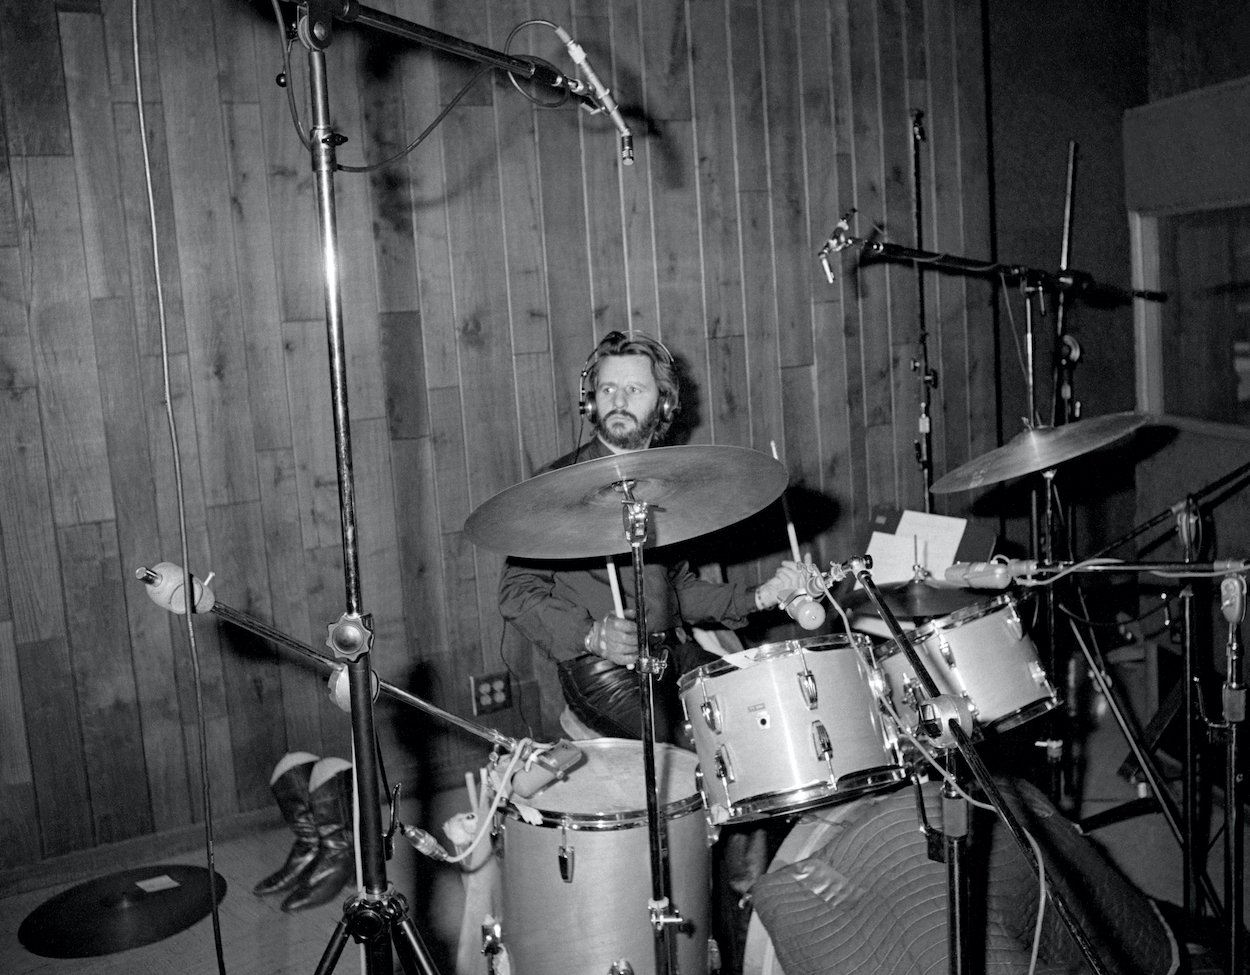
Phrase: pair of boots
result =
(315, 798)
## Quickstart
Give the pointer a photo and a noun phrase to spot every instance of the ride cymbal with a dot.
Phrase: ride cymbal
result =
(1039, 450)
(124, 910)
(576, 512)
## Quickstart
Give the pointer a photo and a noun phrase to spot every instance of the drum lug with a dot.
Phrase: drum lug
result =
(567, 854)
(1038, 673)
(710, 710)
(724, 767)
(821, 741)
(944, 648)
(622, 967)
(807, 687)
(1014, 624)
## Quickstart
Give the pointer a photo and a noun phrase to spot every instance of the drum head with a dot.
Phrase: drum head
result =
(611, 784)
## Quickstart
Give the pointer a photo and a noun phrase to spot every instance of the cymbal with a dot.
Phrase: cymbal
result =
(120, 911)
(915, 600)
(1039, 450)
(576, 512)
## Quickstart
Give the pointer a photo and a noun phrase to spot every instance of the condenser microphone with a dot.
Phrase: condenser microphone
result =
(804, 610)
(989, 575)
(602, 95)
(167, 587)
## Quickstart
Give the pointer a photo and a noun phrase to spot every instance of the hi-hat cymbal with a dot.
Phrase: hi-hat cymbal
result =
(576, 512)
(915, 599)
(121, 911)
(1039, 450)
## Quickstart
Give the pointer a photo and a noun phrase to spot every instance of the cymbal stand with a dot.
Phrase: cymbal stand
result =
(664, 916)
(945, 723)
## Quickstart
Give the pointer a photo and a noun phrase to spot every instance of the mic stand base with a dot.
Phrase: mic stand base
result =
(377, 923)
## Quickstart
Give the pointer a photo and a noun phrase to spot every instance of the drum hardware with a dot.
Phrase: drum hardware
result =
(571, 513)
(795, 725)
(543, 762)
(860, 568)
(576, 860)
(1177, 818)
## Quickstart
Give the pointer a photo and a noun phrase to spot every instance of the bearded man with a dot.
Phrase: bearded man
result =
(629, 395)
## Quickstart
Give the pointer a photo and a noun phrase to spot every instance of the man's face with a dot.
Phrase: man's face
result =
(626, 401)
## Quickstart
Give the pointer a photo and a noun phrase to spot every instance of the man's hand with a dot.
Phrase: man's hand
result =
(615, 639)
(788, 577)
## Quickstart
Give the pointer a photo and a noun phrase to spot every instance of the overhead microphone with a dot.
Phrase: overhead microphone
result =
(602, 95)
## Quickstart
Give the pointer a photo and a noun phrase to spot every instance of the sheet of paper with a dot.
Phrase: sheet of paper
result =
(892, 558)
(935, 537)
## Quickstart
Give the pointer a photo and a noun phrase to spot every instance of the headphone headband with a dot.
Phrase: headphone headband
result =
(630, 343)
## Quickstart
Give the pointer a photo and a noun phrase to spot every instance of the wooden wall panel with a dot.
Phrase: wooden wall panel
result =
(477, 274)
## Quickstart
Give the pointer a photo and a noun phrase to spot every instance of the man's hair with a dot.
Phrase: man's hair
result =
(663, 369)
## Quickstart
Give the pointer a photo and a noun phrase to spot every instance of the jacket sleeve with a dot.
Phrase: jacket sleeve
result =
(702, 601)
(529, 600)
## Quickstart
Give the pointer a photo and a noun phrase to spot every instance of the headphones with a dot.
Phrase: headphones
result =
(632, 343)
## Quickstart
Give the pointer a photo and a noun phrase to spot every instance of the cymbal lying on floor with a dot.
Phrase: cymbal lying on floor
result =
(121, 911)
(576, 512)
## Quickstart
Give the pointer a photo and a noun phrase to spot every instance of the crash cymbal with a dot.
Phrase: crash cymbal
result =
(914, 600)
(118, 912)
(576, 512)
(1039, 450)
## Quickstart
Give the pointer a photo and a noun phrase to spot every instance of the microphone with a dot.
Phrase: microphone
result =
(989, 575)
(166, 586)
(803, 609)
(602, 95)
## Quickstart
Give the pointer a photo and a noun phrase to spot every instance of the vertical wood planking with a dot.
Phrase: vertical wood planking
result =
(199, 176)
(36, 117)
(95, 152)
(60, 323)
(790, 245)
(104, 681)
(19, 820)
(17, 361)
(629, 68)
(477, 273)
(262, 324)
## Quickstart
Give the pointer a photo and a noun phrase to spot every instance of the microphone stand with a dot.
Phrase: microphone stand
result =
(928, 378)
(1233, 606)
(377, 910)
(948, 720)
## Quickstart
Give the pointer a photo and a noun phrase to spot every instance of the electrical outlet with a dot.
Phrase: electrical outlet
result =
(491, 692)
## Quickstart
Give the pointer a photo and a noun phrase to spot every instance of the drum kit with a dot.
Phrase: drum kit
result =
(777, 729)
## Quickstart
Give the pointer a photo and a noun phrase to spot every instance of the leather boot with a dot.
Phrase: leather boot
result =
(290, 788)
(330, 796)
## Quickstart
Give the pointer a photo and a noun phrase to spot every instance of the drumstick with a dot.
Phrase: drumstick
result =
(615, 583)
(785, 510)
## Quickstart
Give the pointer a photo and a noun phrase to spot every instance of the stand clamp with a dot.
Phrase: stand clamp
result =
(351, 635)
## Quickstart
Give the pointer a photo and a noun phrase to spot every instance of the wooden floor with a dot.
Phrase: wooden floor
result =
(259, 938)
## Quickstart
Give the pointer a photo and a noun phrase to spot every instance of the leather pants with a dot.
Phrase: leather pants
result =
(606, 696)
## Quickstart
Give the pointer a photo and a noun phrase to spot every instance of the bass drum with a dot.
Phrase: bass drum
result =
(809, 834)
(576, 866)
